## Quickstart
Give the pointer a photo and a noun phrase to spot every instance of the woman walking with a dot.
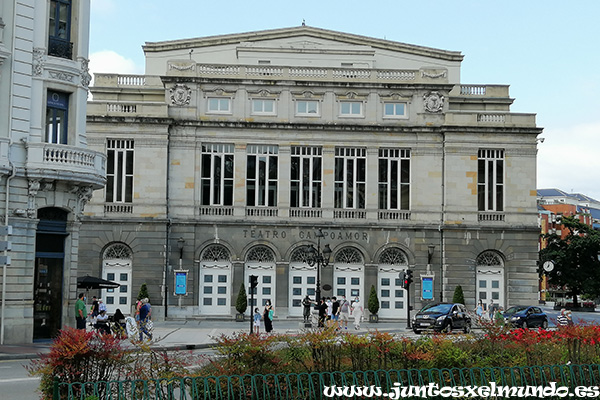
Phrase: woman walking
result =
(357, 311)
(268, 316)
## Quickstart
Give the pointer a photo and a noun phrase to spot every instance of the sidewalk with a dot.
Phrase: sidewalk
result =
(197, 334)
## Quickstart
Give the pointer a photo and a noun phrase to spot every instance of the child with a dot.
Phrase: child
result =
(256, 320)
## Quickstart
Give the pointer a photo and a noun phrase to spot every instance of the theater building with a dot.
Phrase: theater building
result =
(233, 153)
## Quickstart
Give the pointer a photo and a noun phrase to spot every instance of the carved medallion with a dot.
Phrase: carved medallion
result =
(433, 102)
(180, 95)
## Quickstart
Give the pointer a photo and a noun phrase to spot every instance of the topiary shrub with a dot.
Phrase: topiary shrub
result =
(242, 300)
(373, 305)
(143, 293)
(459, 296)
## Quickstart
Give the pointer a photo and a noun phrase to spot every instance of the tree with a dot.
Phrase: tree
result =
(242, 300)
(459, 296)
(576, 258)
(373, 301)
(143, 293)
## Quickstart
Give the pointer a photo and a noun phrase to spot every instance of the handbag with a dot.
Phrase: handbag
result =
(271, 315)
(149, 325)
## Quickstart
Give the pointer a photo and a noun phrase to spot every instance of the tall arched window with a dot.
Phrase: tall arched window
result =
(215, 284)
(348, 273)
(391, 294)
(490, 278)
(260, 261)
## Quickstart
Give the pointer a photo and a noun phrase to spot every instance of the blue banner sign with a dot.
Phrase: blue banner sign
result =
(181, 283)
(427, 287)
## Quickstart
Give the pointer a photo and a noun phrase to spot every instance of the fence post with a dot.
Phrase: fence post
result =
(55, 389)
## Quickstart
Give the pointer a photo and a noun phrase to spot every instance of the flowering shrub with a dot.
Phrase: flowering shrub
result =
(77, 355)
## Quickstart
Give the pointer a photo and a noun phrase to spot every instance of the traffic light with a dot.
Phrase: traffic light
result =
(408, 278)
(402, 276)
(5, 245)
(253, 281)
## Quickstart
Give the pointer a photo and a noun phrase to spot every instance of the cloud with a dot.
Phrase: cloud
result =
(103, 7)
(568, 159)
(108, 61)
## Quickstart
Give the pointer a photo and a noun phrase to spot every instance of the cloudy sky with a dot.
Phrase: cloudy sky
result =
(546, 50)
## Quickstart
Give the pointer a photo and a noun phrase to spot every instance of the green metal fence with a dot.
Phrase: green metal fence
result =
(318, 385)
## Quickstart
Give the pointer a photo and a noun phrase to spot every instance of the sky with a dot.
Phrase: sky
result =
(546, 50)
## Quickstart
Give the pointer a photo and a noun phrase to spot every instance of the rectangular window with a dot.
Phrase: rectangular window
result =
(490, 180)
(351, 108)
(350, 178)
(261, 175)
(394, 179)
(57, 113)
(307, 107)
(306, 176)
(394, 110)
(216, 175)
(219, 105)
(59, 29)
(119, 171)
(263, 106)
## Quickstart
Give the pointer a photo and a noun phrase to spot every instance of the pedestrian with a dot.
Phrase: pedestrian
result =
(335, 313)
(101, 306)
(562, 320)
(322, 307)
(344, 311)
(268, 314)
(101, 324)
(94, 309)
(145, 319)
(499, 316)
(569, 318)
(80, 312)
(479, 309)
(138, 305)
(306, 303)
(119, 324)
(491, 310)
(357, 311)
(329, 310)
(256, 320)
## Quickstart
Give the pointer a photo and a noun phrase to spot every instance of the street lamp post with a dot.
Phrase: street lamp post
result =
(318, 257)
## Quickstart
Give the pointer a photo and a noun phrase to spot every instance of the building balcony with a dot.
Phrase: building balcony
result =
(61, 48)
(66, 163)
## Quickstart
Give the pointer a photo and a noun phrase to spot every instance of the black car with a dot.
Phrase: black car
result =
(526, 317)
(442, 317)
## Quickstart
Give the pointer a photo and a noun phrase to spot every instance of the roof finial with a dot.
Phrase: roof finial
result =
(303, 22)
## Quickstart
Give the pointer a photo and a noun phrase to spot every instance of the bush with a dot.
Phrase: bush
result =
(459, 296)
(80, 356)
(373, 305)
(242, 300)
(143, 293)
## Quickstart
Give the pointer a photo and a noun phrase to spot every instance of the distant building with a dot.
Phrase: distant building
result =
(226, 158)
(47, 171)
(553, 204)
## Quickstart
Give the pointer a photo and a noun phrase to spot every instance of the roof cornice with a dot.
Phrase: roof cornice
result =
(151, 47)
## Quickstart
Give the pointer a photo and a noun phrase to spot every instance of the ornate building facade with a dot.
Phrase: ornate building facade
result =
(236, 152)
(47, 171)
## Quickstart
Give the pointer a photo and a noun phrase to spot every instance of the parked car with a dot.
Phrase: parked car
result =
(442, 317)
(526, 317)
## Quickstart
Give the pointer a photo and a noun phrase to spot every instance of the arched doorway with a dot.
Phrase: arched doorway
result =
(116, 267)
(348, 274)
(302, 281)
(390, 292)
(260, 261)
(215, 281)
(490, 278)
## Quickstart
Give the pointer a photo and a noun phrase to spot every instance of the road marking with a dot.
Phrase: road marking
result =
(18, 380)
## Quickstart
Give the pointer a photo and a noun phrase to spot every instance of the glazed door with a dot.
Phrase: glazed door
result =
(47, 312)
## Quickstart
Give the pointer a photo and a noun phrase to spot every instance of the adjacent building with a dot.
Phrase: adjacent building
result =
(233, 153)
(47, 171)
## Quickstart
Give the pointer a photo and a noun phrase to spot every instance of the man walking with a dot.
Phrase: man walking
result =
(145, 319)
(80, 312)
(344, 311)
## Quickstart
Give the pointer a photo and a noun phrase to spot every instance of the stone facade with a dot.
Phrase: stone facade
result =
(47, 171)
(238, 148)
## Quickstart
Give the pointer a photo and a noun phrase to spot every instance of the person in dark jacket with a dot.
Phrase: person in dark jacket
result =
(322, 313)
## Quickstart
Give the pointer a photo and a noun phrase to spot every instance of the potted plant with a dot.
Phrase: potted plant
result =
(373, 305)
(241, 304)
